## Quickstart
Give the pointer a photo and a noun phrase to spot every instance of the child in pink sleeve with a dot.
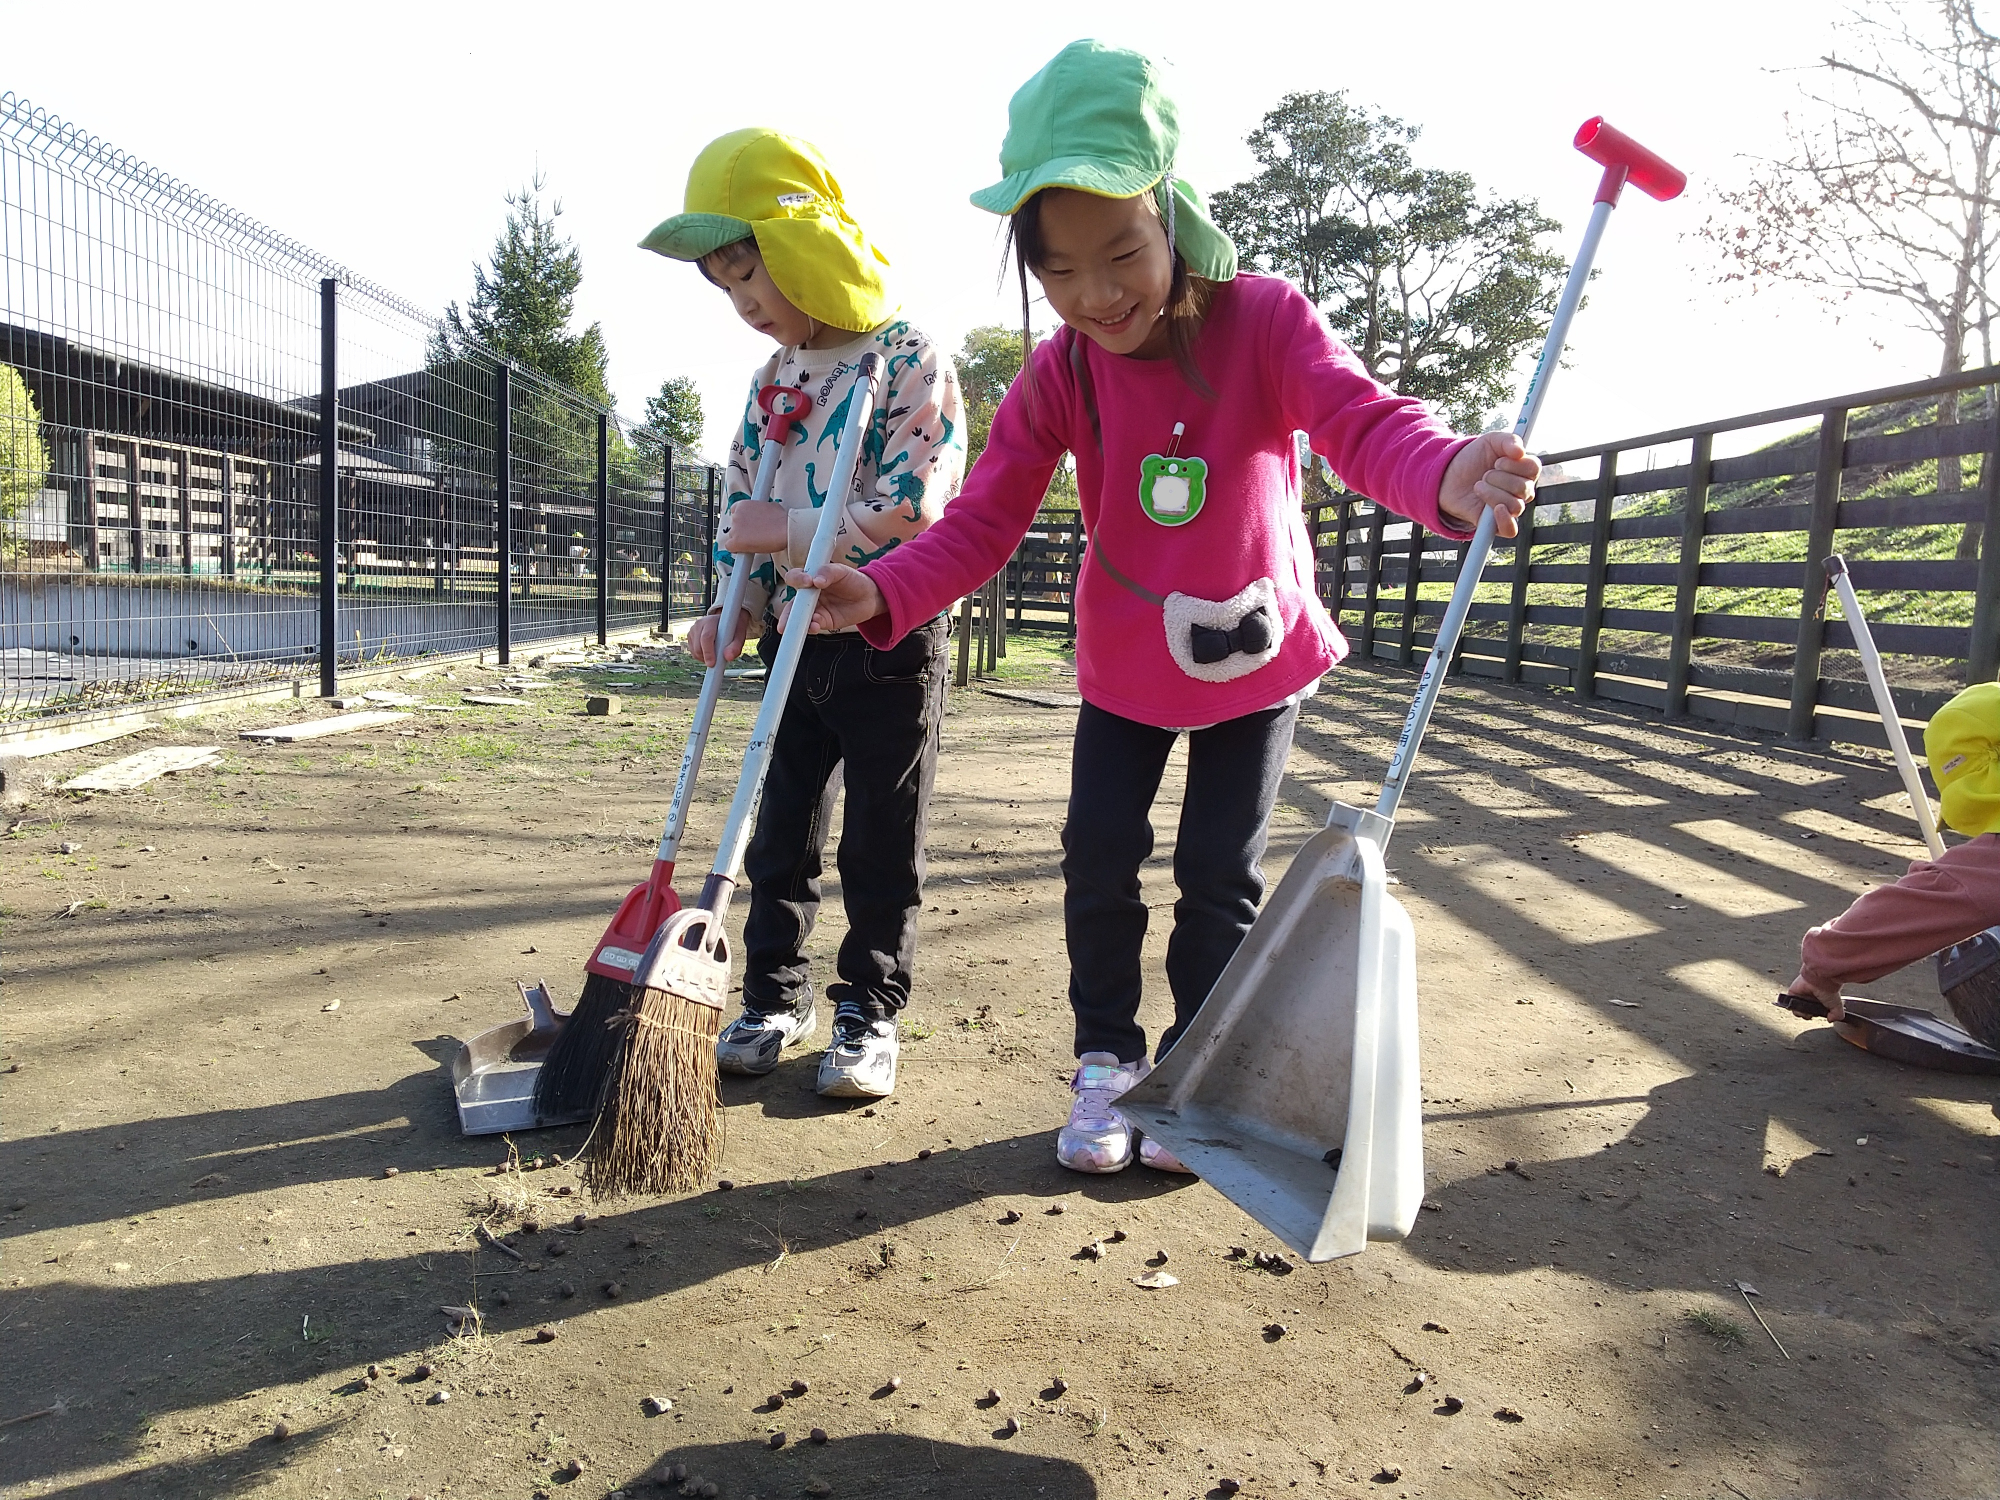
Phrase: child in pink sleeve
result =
(1942, 901)
(1178, 385)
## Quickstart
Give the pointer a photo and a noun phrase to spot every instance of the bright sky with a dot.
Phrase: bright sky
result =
(386, 136)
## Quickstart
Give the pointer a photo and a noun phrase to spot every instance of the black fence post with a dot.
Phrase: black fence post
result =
(329, 489)
(1687, 578)
(709, 517)
(1585, 677)
(667, 539)
(1812, 588)
(603, 527)
(503, 509)
(1982, 656)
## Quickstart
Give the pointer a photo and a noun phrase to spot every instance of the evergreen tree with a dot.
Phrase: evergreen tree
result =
(987, 363)
(523, 299)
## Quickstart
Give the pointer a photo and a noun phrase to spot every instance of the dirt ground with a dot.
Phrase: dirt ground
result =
(202, 1239)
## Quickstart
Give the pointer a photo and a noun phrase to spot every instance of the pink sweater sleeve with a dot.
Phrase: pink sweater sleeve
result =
(1382, 445)
(980, 529)
(1937, 904)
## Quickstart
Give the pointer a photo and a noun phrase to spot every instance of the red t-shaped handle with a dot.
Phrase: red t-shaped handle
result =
(1625, 160)
(797, 404)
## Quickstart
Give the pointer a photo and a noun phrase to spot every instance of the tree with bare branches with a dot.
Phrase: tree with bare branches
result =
(1886, 190)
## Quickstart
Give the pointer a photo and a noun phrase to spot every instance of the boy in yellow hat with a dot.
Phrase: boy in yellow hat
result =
(766, 223)
(1940, 902)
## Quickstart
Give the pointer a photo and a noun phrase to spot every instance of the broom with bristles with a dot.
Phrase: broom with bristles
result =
(659, 1122)
(573, 1075)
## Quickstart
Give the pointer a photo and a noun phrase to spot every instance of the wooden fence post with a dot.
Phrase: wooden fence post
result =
(1812, 587)
(1982, 657)
(1687, 579)
(1377, 519)
(1593, 588)
(1343, 513)
(1517, 603)
(1412, 574)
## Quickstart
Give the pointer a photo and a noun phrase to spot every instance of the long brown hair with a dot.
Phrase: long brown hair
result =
(1189, 297)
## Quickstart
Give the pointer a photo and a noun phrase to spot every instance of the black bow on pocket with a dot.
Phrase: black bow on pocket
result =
(1252, 636)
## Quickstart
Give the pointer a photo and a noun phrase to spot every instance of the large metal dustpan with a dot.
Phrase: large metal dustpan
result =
(493, 1075)
(1902, 1033)
(1294, 1091)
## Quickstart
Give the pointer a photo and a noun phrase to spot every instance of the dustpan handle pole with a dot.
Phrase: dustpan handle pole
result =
(1878, 684)
(1476, 550)
(712, 680)
(784, 664)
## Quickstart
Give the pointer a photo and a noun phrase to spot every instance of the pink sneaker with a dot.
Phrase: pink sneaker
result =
(1159, 1158)
(1097, 1139)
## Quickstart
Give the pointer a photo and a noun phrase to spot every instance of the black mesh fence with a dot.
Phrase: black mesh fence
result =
(177, 382)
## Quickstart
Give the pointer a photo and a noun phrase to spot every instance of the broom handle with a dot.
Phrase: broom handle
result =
(1474, 562)
(1892, 721)
(712, 680)
(721, 882)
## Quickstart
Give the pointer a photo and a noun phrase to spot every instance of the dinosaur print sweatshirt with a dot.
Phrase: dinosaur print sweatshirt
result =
(912, 453)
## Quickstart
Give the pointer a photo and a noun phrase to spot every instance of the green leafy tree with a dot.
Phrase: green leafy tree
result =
(1438, 289)
(673, 415)
(987, 363)
(24, 457)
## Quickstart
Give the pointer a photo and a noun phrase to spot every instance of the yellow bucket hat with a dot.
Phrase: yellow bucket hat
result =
(778, 190)
(1962, 742)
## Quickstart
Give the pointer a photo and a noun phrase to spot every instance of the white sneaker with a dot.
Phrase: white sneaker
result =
(861, 1063)
(1159, 1158)
(1097, 1138)
(754, 1041)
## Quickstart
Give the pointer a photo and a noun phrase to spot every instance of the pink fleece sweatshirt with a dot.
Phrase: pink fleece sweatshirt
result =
(1940, 902)
(1276, 369)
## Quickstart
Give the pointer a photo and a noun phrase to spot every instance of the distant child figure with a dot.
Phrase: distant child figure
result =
(1940, 902)
(1178, 386)
(765, 222)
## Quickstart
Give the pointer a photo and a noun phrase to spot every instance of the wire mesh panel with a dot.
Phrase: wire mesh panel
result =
(167, 367)
(692, 521)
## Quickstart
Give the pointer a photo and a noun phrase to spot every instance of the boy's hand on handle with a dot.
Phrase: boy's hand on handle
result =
(847, 596)
(1827, 996)
(1492, 472)
(755, 529)
(701, 638)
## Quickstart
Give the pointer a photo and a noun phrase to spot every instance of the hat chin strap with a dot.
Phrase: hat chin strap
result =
(1167, 182)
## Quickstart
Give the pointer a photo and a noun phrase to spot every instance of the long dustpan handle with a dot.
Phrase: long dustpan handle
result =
(1892, 722)
(715, 891)
(776, 430)
(1623, 160)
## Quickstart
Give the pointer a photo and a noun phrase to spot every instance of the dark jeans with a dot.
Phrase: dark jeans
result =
(875, 716)
(1232, 780)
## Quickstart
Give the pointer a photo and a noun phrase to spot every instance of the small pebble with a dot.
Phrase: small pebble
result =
(424, 1372)
(1508, 1414)
(1013, 1424)
(614, 1288)
(1275, 1331)
(776, 1440)
(818, 1435)
(438, 1398)
(68, 848)
(531, 1226)
(895, 1382)
(392, 1171)
(777, 1399)
(1057, 1208)
(571, 1470)
(557, 1247)
(993, 1394)
(564, 1191)
(1012, 1216)
(1451, 1406)
(374, 1372)
(280, 1431)
(799, 1387)
(579, 1221)
(818, 1487)
(710, 1489)
(1059, 1386)
(1388, 1474)
(868, 1174)
(1229, 1486)
(656, 1406)
(637, 1242)
(564, 1289)
(502, 1298)
(925, 1154)
(677, 1473)
(545, 1335)
(1117, 1236)
(725, 1186)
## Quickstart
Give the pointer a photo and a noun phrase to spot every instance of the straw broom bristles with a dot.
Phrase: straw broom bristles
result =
(661, 1126)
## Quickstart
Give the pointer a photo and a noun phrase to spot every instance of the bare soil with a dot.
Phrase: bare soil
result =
(202, 1238)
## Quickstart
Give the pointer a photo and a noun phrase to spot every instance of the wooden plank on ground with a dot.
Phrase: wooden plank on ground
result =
(148, 765)
(494, 700)
(79, 738)
(1038, 698)
(313, 729)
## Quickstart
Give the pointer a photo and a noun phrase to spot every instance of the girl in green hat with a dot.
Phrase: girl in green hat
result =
(1178, 385)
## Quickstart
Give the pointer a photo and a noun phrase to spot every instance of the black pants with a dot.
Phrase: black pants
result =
(1232, 781)
(874, 715)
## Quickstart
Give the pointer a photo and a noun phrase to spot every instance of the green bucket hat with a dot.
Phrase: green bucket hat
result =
(1097, 119)
(779, 191)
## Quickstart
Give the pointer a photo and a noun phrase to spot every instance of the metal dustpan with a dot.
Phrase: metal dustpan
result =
(1902, 1033)
(1294, 1091)
(493, 1075)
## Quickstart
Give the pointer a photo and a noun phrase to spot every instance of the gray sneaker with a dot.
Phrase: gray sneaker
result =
(861, 1063)
(754, 1041)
